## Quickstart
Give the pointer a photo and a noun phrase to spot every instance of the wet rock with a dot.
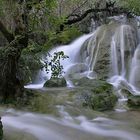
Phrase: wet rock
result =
(89, 94)
(134, 102)
(86, 82)
(96, 50)
(76, 71)
(56, 82)
(97, 94)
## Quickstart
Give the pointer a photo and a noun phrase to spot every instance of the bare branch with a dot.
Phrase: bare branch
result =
(114, 11)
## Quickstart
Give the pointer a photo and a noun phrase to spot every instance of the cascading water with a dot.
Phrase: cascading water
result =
(105, 54)
(134, 78)
(41, 127)
(114, 57)
(123, 46)
(72, 63)
(72, 51)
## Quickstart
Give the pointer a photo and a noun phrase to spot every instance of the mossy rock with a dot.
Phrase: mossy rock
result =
(56, 82)
(134, 102)
(35, 101)
(101, 102)
(100, 95)
(94, 83)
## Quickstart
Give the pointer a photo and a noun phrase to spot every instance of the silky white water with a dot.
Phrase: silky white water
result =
(114, 57)
(68, 127)
(134, 78)
(71, 51)
(124, 59)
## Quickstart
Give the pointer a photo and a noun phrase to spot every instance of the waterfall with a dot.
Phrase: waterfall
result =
(123, 46)
(109, 53)
(72, 51)
(114, 58)
(134, 78)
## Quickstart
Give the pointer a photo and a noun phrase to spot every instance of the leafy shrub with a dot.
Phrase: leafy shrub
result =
(54, 64)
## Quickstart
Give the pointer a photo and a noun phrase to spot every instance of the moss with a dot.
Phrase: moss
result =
(101, 97)
(35, 101)
(101, 102)
(134, 102)
(56, 82)
(43, 103)
(102, 88)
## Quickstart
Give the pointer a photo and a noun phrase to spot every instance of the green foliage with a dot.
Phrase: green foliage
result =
(131, 5)
(31, 56)
(30, 62)
(33, 48)
(29, 66)
(63, 37)
(101, 99)
(54, 64)
(42, 12)
(51, 4)
(69, 34)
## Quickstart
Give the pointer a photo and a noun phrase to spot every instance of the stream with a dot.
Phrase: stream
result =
(105, 126)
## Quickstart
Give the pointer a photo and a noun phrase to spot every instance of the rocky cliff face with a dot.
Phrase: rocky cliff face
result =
(110, 41)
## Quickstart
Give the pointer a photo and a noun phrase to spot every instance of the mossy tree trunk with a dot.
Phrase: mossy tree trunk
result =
(11, 85)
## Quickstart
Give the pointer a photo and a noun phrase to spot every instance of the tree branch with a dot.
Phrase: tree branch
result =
(9, 36)
(78, 19)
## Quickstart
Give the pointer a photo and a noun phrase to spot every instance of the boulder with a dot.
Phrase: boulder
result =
(134, 102)
(56, 82)
(96, 50)
(97, 94)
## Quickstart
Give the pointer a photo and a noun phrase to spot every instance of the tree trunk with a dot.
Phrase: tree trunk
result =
(10, 83)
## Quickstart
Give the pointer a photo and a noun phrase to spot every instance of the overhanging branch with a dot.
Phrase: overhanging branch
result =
(114, 11)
